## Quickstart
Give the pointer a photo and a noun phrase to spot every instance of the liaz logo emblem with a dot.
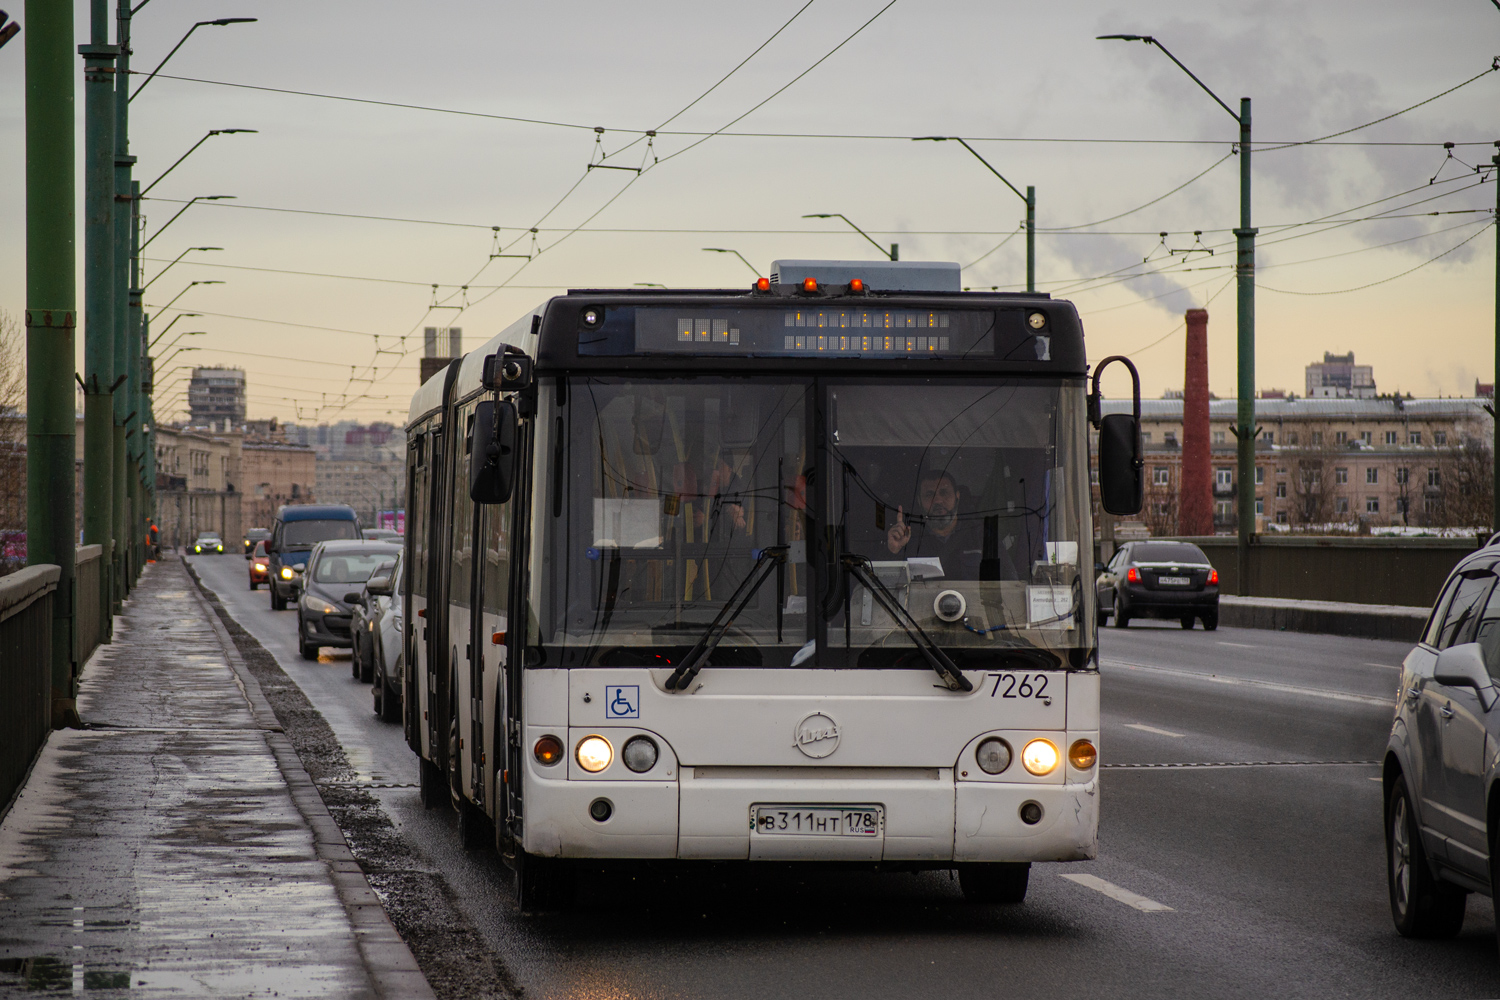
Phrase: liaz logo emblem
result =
(817, 736)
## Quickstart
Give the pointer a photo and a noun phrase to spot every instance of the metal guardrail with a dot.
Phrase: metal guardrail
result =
(25, 670)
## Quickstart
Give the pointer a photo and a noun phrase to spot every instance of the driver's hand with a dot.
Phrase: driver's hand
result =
(899, 533)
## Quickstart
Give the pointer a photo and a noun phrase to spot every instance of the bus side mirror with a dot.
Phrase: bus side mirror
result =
(1121, 483)
(1122, 467)
(492, 452)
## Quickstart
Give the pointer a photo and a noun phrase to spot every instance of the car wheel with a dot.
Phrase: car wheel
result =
(1187, 621)
(475, 832)
(1122, 620)
(1422, 906)
(1210, 621)
(354, 666)
(366, 659)
(543, 884)
(308, 650)
(278, 603)
(390, 699)
(1103, 610)
(994, 881)
(254, 585)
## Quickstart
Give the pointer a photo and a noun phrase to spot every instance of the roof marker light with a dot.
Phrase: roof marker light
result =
(809, 284)
(762, 284)
(856, 285)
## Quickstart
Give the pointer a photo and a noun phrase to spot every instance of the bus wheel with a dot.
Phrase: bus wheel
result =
(433, 784)
(543, 884)
(994, 881)
(474, 830)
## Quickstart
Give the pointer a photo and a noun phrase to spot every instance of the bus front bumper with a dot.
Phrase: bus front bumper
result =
(926, 820)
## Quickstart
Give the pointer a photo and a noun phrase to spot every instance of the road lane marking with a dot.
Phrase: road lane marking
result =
(1358, 699)
(1388, 666)
(1118, 894)
(1376, 779)
(1185, 764)
(1152, 729)
(1238, 645)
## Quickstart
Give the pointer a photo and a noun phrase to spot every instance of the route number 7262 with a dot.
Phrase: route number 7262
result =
(1020, 686)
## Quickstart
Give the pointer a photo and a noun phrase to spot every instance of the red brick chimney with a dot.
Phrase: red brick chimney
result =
(1195, 505)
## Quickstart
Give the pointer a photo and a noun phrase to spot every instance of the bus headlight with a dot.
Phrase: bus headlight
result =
(594, 753)
(993, 755)
(286, 572)
(548, 750)
(1039, 757)
(640, 754)
(1082, 755)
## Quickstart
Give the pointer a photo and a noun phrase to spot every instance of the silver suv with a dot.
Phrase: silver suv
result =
(1442, 812)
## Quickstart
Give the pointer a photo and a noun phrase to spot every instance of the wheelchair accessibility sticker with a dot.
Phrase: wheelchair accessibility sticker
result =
(622, 701)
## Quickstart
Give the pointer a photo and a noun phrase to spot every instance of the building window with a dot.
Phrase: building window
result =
(1224, 478)
(1281, 470)
(1260, 506)
(1317, 438)
(1218, 437)
(1402, 505)
(1390, 437)
(1223, 510)
(1340, 437)
(1094, 476)
(1372, 505)
(1281, 517)
(1439, 437)
(1164, 509)
(1372, 476)
(1434, 477)
(1430, 505)
(1341, 505)
(1414, 437)
(1365, 436)
(1145, 437)
(1160, 475)
(1260, 475)
(1403, 476)
(1269, 437)
(1291, 438)
(1341, 476)
(1281, 491)
(1170, 439)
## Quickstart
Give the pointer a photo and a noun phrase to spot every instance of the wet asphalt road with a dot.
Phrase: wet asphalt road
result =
(1273, 872)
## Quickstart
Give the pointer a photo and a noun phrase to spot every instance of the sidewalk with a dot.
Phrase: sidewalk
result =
(175, 847)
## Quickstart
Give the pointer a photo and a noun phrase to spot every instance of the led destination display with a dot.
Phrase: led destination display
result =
(889, 333)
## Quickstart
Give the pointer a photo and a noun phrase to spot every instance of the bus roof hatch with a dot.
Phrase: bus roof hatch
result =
(878, 275)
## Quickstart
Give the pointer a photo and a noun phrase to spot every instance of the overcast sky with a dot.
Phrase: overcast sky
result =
(1012, 73)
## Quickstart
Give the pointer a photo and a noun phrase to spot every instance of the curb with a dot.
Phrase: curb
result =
(393, 970)
(1397, 624)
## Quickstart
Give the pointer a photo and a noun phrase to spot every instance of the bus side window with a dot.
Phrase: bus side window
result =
(416, 517)
(496, 595)
(460, 581)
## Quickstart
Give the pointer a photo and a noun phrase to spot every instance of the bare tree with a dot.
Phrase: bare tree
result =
(1468, 485)
(1312, 488)
(12, 439)
(1159, 512)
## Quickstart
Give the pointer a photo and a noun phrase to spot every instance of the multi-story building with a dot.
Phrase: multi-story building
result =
(1338, 377)
(1378, 462)
(276, 473)
(215, 395)
(197, 482)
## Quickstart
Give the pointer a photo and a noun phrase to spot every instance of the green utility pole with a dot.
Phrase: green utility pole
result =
(1029, 198)
(50, 321)
(122, 273)
(1244, 270)
(1495, 399)
(99, 290)
(133, 395)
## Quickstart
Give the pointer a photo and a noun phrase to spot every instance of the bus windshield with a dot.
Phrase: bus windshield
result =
(891, 508)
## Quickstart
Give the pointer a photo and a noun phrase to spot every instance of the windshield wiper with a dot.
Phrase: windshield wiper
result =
(697, 658)
(859, 567)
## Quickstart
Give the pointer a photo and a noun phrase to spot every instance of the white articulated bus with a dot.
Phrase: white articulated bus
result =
(798, 573)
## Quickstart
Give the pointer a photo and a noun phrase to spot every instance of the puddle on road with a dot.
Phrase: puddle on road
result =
(53, 975)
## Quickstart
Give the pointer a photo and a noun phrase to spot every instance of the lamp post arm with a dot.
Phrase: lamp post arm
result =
(1152, 41)
(840, 215)
(159, 65)
(991, 169)
(184, 156)
(173, 219)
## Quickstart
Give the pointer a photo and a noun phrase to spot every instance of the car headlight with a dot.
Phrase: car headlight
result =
(594, 753)
(197, 550)
(219, 547)
(286, 572)
(260, 567)
(1039, 757)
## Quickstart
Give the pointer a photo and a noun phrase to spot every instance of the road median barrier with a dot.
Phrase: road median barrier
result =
(1395, 622)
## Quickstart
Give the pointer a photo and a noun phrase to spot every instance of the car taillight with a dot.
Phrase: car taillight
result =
(1213, 577)
(1133, 575)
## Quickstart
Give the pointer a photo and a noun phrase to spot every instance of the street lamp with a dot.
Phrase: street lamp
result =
(211, 133)
(169, 326)
(1244, 269)
(893, 253)
(218, 23)
(184, 208)
(190, 333)
(173, 261)
(206, 281)
(1029, 198)
(179, 350)
(736, 253)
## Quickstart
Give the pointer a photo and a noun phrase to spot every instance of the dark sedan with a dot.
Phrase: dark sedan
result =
(1159, 579)
(335, 569)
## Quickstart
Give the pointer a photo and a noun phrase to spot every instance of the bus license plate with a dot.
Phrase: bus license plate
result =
(819, 821)
(1174, 581)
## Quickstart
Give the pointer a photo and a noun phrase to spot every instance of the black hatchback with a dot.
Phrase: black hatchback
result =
(1159, 579)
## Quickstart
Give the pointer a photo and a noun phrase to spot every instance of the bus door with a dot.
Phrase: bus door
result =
(436, 711)
(458, 692)
(492, 613)
(418, 544)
